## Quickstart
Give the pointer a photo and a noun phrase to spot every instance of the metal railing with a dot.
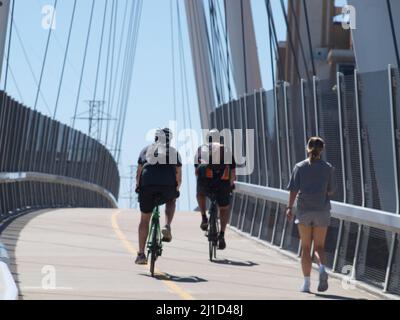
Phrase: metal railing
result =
(44, 163)
(359, 117)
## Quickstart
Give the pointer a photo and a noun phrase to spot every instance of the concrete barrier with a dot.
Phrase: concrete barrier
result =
(8, 287)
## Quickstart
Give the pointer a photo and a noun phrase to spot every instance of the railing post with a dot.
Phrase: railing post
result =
(315, 79)
(339, 95)
(356, 252)
(285, 95)
(265, 157)
(396, 177)
(338, 241)
(278, 133)
(257, 129)
(303, 108)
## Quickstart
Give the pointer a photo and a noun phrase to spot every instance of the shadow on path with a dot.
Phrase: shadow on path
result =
(178, 279)
(334, 297)
(236, 263)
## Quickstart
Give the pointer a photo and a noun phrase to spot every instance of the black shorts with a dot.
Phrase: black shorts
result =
(222, 190)
(151, 196)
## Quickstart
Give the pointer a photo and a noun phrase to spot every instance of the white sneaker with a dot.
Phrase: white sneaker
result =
(323, 282)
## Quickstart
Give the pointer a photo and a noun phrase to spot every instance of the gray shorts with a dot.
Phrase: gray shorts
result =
(314, 219)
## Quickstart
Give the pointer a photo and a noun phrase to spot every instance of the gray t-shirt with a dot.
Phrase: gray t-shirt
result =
(313, 181)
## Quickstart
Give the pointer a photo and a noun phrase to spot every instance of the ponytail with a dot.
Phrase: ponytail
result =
(315, 148)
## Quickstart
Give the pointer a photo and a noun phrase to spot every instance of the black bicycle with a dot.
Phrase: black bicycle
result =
(213, 227)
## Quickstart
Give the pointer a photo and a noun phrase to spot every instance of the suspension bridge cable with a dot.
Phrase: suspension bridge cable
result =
(16, 85)
(244, 46)
(208, 43)
(291, 45)
(272, 27)
(113, 89)
(65, 59)
(110, 89)
(211, 48)
(185, 91)
(9, 45)
(272, 55)
(309, 37)
(128, 82)
(297, 28)
(396, 46)
(78, 96)
(45, 55)
(107, 68)
(215, 50)
(100, 50)
(26, 57)
(132, 59)
(123, 79)
(227, 52)
(173, 60)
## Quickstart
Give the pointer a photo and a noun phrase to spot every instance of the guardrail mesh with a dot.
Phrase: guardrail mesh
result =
(31, 142)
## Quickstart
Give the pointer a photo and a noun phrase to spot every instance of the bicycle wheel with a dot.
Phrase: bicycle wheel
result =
(212, 234)
(153, 249)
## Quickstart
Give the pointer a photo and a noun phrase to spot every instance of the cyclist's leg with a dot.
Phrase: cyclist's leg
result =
(202, 201)
(170, 208)
(169, 195)
(224, 203)
(147, 205)
(144, 231)
(224, 216)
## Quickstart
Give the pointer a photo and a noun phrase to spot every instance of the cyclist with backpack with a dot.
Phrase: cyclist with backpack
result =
(215, 172)
(158, 181)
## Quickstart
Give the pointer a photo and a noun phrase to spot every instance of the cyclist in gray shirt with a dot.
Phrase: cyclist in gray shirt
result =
(312, 184)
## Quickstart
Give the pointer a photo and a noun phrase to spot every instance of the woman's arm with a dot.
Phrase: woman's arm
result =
(178, 177)
(138, 175)
(292, 199)
(233, 177)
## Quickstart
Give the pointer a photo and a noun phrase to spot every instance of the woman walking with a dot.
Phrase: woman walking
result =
(312, 184)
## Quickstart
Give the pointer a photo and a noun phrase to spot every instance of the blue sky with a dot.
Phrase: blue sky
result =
(151, 95)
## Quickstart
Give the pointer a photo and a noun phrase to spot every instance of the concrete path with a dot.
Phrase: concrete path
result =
(89, 254)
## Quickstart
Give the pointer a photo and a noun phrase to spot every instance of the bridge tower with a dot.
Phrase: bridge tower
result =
(4, 10)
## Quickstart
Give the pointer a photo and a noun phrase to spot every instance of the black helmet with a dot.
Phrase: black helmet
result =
(163, 135)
